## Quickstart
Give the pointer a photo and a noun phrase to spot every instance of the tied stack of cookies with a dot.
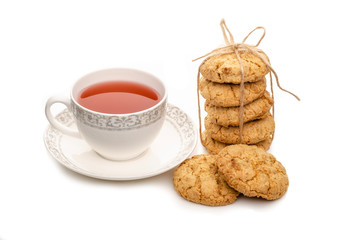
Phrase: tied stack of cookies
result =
(239, 129)
(220, 86)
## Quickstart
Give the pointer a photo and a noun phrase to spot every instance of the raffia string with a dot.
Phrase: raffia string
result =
(239, 49)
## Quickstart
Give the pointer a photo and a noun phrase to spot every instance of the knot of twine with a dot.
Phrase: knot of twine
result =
(239, 49)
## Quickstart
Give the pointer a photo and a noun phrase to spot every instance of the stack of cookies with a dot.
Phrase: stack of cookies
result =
(220, 86)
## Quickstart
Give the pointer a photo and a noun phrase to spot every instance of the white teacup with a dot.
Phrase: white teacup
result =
(113, 136)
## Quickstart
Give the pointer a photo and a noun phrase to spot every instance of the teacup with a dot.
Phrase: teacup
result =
(113, 136)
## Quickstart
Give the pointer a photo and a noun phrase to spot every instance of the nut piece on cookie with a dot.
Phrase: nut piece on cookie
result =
(252, 171)
(197, 180)
(226, 68)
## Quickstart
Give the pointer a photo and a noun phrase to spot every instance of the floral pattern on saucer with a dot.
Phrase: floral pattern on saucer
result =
(179, 126)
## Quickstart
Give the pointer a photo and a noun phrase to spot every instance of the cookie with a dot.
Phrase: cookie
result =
(214, 147)
(230, 116)
(197, 180)
(228, 95)
(252, 171)
(253, 132)
(226, 68)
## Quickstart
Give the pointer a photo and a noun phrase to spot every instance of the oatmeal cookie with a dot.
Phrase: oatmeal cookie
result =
(228, 95)
(252, 171)
(253, 132)
(226, 68)
(197, 180)
(230, 116)
(214, 147)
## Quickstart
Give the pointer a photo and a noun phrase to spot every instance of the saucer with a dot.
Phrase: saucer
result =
(175, 142)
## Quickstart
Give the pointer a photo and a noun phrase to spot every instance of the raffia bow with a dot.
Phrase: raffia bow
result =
(239, 49)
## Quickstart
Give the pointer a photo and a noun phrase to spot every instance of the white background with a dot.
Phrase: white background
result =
(315, 47)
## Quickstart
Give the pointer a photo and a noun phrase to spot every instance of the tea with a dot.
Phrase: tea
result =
(118, 97)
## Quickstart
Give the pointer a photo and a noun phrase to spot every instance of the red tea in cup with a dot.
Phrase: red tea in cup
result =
(118, 112)
(118, 97)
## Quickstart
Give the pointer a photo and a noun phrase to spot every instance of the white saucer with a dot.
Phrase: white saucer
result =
(174, 144)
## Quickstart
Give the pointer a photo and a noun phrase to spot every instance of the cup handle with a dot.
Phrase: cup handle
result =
(56, 124)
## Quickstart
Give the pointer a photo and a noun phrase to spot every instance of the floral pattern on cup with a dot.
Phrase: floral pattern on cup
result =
(118, 122)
